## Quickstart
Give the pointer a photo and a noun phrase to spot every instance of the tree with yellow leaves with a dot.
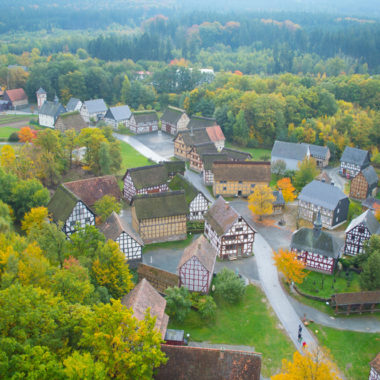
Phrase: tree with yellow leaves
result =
(260, 202)
(288, 264)
(287, 189)
(8, 157)
(313, 365)
(34, 218)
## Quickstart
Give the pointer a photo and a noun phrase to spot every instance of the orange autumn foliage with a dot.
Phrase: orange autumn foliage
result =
(287, 189)
(27, 134)
(288, 264)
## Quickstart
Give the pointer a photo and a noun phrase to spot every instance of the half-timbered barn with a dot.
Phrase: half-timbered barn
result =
(197, 202)
(49, 112)
(318, 249)
(116, 229)
(144, 296)
(360, 230)
(70, 120)
(73, 105)
(364, 184)
(321, 154)
(143, 122)
(328, 199)
(278, 203)
(93, 109)
(238, 178)
(117, 115)
(374, 373)
(290, 153)
(196, 153)
(66, 208)
(353, 161)
(196, 267)
(160, 217)
(173, 120)
(227, 231)
(16, 98)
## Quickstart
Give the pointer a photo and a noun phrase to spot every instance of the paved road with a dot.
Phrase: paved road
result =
(160, 142)
(336, 178)
(196, 180)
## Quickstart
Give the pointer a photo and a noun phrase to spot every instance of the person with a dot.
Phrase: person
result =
(299, 337)
(304, 344)
(299, 329)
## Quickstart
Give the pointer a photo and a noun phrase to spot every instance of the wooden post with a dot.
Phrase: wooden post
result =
(348, 309)
(372, 308)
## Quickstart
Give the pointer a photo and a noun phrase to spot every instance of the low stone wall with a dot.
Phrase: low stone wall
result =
(315, 298)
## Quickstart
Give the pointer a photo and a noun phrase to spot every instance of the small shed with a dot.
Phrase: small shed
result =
(359, 302)
(175, 337)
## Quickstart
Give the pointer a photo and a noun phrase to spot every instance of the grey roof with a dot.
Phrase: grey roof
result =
(323, 243)
(52, 109)
(371, 176)
(368, 219)
(172, 115)
(279, 198)
(194, 136)
(41, 91)
(118, 113)
(235, 154)
(355, 156)
(318, 151)
(287, 150)
(71, 104)
(209, 158)
(322, 194)
(371, 203)
(95, 105)
(201, 122)
(147, 116)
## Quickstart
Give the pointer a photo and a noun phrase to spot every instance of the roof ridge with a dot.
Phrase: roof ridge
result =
(89, 179)
(158, 195)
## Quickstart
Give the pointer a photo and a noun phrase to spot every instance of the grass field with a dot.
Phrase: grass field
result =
(257, 154)
(131, 157)
(179, 244)
(7, 119)
(250, 323)
(5, 132)
(351, 351)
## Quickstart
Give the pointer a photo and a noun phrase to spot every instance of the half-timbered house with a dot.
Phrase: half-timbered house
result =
(278, 203)
(16, 98)
(173, 120)
(326, 198)
(116, 229)
(49, 112)
(117, 115)
(160, 217)
(318, 249)
(353, 161)
(144, 296)
(290, 153)
(70, 120)
(374, 373)
(73, 105)
(360, 230)
(94, 109)
(364, 184)
(143, 122)
(197, 202)
(238, 178)
(321, 154)
(196, 152)
(227, 231)
(196, 267)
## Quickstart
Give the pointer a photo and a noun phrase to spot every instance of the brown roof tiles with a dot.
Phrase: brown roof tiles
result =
(253, 171)
(16, 94)
(357, 298)
(215, 133)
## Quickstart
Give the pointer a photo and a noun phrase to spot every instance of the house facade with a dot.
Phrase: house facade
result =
(374, 373)
(73, 105)
(227, 231)
(117, 115)
(364, 184)
(16, 98)
(143, 122)
(238, 178)
(292, 154)
(70, 120)
(49, 112)
(93, 109)
(321, 155)
(353, 161)
(196, 267)
(174, 120)
(326, 198)
(359, 231)
(160, 217)
(196, 152)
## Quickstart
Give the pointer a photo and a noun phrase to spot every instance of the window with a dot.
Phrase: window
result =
(238, 229)
(240, 182)
(361, 230)
(224, 188)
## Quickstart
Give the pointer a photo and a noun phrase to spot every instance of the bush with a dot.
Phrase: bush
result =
(207, 308)
(13, 137)
(178, 303)
(195, 226)
(229, 286)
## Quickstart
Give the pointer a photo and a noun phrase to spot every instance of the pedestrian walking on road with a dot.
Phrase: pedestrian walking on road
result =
(299, 337)
(299, 329)
(304, 345)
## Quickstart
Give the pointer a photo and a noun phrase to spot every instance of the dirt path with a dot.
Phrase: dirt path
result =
(16, 124)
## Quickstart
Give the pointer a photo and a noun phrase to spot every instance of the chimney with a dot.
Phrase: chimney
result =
(317, 226)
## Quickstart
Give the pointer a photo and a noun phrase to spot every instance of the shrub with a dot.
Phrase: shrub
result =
(229, 286)
(178, 303)
(207, 308)
(13, 137)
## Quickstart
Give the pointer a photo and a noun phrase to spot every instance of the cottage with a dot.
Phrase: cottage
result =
(41, 96)
(70, 120)
(375, 368)
(196, 152)
(116, 229)
(49, 112)
(238, 178)
(143, 122)
(196, 267)
(118, 115)
(321, 154)
(174, 120)
(74, 104)
(16, 98)
(360, 230)
(279, 202)
(358, 302)
(144, 296)
(290, 153)
(364, 184)
(160, 217)
(93, 109)
(197, 202)
(353, 161)
(316, 248)
(328, 199)
(228, 232)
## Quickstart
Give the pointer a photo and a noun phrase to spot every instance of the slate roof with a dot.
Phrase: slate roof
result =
(322, 194)
(368, 219)
(145, 116)
(209, 158)
(200, 122)
(357, 298)
(160, 205)
(52, 109)
(144, 296)
(92, 189)
(318, 151)
(371, 177)
(194, 136)
(203, 251)
(95, 106)
(172, 115)
(355, 156)
(215, 133)
(16, 94)
(119, 113)
(253, 171)
(71, 104)
(288, 150)
(375, 363)
(179, 182)
(200, 363)
(279, 198)
(72, 120)
(114, 226)
(61, 204)
(148, 176)
(207, 147)
(323, 243)
(40, 91)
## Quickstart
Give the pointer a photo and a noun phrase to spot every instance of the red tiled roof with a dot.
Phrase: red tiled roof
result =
(375, 363)
(16, 94)
(215, 133)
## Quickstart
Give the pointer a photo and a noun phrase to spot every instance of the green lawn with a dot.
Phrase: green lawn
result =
(351, 351)
(251, 323)
(131, 157)
(256, 153)
(6, 119)
(178, 244)
(5, 132)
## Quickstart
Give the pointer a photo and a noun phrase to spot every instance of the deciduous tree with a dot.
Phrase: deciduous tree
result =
(287, 189)
(288, 264)
(35, 218)
(260, 202)
(8, 157)
(105, 206)
(178, 303)
(307, 171)
(27, 134)
(229, 286)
